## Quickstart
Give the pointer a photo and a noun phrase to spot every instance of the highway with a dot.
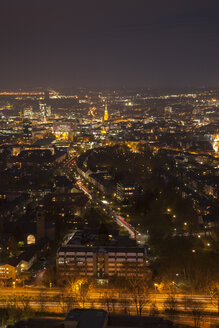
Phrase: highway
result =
(97, 296)
(60, 300)
(56, 300)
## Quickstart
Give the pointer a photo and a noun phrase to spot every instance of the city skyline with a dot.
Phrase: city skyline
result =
(106, 190)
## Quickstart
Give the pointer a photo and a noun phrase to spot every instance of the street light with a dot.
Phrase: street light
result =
(155, 286)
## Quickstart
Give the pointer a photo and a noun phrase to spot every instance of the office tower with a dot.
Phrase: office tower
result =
(45, 110)
(28, 113)
(27, 129)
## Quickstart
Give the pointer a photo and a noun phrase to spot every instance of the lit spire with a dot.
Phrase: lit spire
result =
(106, 115)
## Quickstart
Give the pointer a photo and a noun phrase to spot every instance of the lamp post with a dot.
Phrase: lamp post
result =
(155, 287)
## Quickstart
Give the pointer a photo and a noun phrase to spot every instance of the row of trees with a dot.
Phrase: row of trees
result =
(133, 297)
(16, 307)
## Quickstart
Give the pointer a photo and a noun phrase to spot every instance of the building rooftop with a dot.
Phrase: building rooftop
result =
(92, 238)
(44, 142)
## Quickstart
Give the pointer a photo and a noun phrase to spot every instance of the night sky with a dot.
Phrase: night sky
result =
(109, 43)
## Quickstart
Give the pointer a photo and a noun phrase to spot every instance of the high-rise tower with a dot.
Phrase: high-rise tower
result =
(106, 115)
(44, 111)
(27, 129)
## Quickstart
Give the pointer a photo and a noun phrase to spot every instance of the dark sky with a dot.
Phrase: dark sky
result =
(153, 43)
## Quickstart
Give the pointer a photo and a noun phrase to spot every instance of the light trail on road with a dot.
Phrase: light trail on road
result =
(119, 220)
(127, 226)
(70, 162)
(52, 303)
(84, 189)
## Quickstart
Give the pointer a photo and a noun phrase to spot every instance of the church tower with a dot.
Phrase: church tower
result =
(106, 115)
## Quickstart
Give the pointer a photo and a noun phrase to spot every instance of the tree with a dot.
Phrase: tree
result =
(4, 316)
(214, 294)
(42, 301)
(196, 308)
(83, 292)
(170, 305)
(109, 300)
(15, 311)
(138, 289)
(13, 246)
(154, 310)
(24, 305)
(125, 304)
(81, 289)
(106, 301)
(66, 301)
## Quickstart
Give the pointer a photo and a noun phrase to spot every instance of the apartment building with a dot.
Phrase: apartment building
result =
(99, 261)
